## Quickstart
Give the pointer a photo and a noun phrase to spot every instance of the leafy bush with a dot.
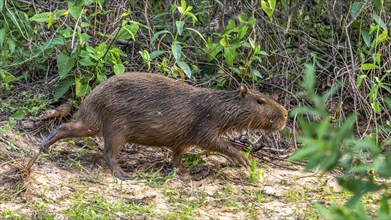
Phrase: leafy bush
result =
(79, 57)
(329, 146)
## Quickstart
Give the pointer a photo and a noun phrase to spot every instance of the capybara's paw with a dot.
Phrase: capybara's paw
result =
(122, 175)
(45, 150)
(199, 172)
(239, 158)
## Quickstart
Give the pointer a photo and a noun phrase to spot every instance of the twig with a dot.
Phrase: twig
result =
(74, 31)
(111, 43)
(146, 17)
(348, 38)
(309, 175)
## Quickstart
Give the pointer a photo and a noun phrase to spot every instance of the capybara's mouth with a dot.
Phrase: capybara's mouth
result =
(276, 126)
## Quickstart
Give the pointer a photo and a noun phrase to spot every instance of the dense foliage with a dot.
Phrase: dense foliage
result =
(70, 46)
(330, 147)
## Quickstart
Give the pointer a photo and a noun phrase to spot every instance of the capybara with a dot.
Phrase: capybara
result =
(154, 110)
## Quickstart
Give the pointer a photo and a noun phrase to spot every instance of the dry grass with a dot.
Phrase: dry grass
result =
(18, 174)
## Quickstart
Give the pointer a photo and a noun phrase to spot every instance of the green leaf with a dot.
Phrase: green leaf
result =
(264, 53)
(82, 89)
(66, 33)
(51, 19)
(7, 77)
(42, 17)
(128, 32)
(378, 4)
(360, 78)
(366, 37)
(157, 34)
(75, 9)
(252, 21)
(51, 43)
(373, 28)
(257, 73)
(377, 58)
(176, 50)
(344, 132)
(145, 55)
(63, 87)
(197, 32)
(86, 62)
(84, 37)
(356, 9)
(242, 32)
(139, 24)
(243, 18)
(223, 42)
(100, 77)
(322, 210)
(18, 115)
(115, 55)
(101, 49)
(188, 9)
(309, 78)
(65, 64)
(379, 21)
(382, 37)
(1, 4)
(369, 66)
(384, 209)
(87, 2)
(376, 107)
(118, 69)
(358, 186)
(179, 26)
(304, 153)
(266, 8)
(230, 54)
(252, 43)
(85, 24)
(330, 161)
(231, 25)
(214, 50)
(2, 36)
(183, 5)
(185, 68)
(155, 54)
(11, 45)
(272, 4)
(59, 13)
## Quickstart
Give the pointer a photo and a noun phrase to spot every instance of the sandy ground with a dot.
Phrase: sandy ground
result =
(215, 190)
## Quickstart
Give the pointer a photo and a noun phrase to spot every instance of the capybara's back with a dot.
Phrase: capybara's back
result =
(144, 107)
(154, 110)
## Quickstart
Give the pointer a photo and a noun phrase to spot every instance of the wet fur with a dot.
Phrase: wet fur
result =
(154, 110)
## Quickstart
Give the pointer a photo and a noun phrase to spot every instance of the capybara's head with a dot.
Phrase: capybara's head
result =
(261, 111)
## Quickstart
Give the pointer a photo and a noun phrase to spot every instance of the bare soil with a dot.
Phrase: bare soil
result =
(75, 175)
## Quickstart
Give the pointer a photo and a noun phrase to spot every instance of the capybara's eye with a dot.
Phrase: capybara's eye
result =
(261, 101)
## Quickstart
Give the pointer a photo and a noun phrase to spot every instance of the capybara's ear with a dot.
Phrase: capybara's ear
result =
(243, 90)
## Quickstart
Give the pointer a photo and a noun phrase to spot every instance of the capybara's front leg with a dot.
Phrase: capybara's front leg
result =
(110, 153)
(226, 148)
(68, 130)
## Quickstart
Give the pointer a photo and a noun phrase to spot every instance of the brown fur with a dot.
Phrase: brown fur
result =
(154, 110)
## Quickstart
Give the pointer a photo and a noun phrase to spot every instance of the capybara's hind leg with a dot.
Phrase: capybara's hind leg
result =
(68, 130)
(110, 153)
(177, 158)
